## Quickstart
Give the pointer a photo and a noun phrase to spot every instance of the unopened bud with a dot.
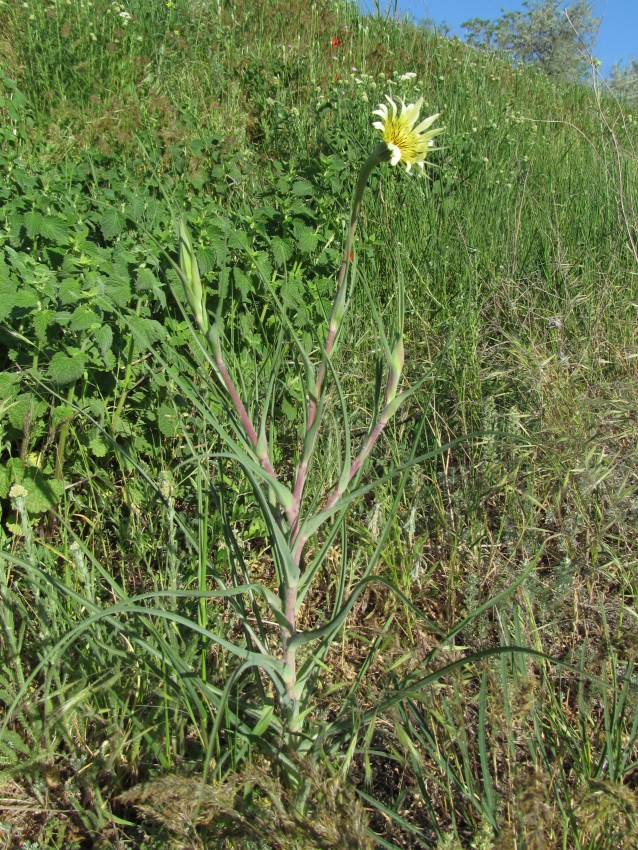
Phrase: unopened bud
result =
(190, 276)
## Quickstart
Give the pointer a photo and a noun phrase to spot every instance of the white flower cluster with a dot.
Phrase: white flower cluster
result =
(122, 12)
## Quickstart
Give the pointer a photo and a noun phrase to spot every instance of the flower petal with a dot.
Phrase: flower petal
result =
(406, 143)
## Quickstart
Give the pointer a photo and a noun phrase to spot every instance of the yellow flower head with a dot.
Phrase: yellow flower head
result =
(407, 144)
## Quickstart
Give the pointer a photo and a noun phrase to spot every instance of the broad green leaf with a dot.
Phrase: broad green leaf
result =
(103, 337)
(146, 331)
(99, 446)
(306, 237)
(26, 297)
(263, 264)
(281, 250)
(243, 283)
(9, 385)
(8, 298)
(70, 291)
(112, 224)
(302, 188)
(83, 318)
(146, 280)
(43, 493)
(64, 369)
(26, 408)
(168, 420)
(33, 223)
(118, 293)
(55, 229)
(42, 320)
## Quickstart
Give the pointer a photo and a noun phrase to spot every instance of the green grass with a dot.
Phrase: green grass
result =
(122, 721)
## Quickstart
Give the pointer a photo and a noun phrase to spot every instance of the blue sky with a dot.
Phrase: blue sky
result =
(617, 38)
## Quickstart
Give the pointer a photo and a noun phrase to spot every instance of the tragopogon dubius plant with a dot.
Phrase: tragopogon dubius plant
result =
(291, 519)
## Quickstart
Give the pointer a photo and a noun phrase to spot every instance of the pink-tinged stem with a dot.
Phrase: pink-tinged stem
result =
(336, 494)
(380, 154)
(241, 410)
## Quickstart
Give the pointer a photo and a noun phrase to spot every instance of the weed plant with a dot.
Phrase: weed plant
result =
(133, 547)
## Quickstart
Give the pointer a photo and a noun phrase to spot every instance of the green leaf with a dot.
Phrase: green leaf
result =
(242, 282)
(103, 337)
(146, 280)
(168, 420)
(302, 188)
(145, 331)
(306, 237)
(26, 297)
(9, 385)
(98, 446)
(70, 291)
(55, 229)
(83, 318)
(288, 410)
(26, 408)
(112, 224)
(42, 493)
(8, 298)
(281, 250)
(64, 369)
(33, 223)
(264, 266)
(117, 292)
(42, 320)
(12, 746)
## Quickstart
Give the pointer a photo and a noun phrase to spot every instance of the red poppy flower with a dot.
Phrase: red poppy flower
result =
(351, 256)
(336, 41)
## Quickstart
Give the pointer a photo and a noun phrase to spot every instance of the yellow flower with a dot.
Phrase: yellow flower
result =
(407, 144)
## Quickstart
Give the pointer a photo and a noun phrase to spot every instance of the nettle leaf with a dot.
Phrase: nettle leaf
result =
(33, 223)
(264, 266)
(118, 292)
(43, 493)
(8, 298)
(70, 291)
(103, 337)
(299, 208)
(135, 207)
(206, 259)
(26, 408)
(289, 410)
(56, 229)
(42, 321)
(112, 223)
(26, 296)
(146, 280)
(145, 331)
(243, 283)
(83, 318)
(247, 325)
(98, 445)
(281, 250)
(291, 292)
(168, 420)
(64, 368)
(9, 385)
(5, 482)
(62, 413)
(302, 188)
(14, 226)
(239, 239)
(306, 237)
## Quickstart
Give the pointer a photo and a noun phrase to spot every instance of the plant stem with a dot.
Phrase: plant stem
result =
(380, 154)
